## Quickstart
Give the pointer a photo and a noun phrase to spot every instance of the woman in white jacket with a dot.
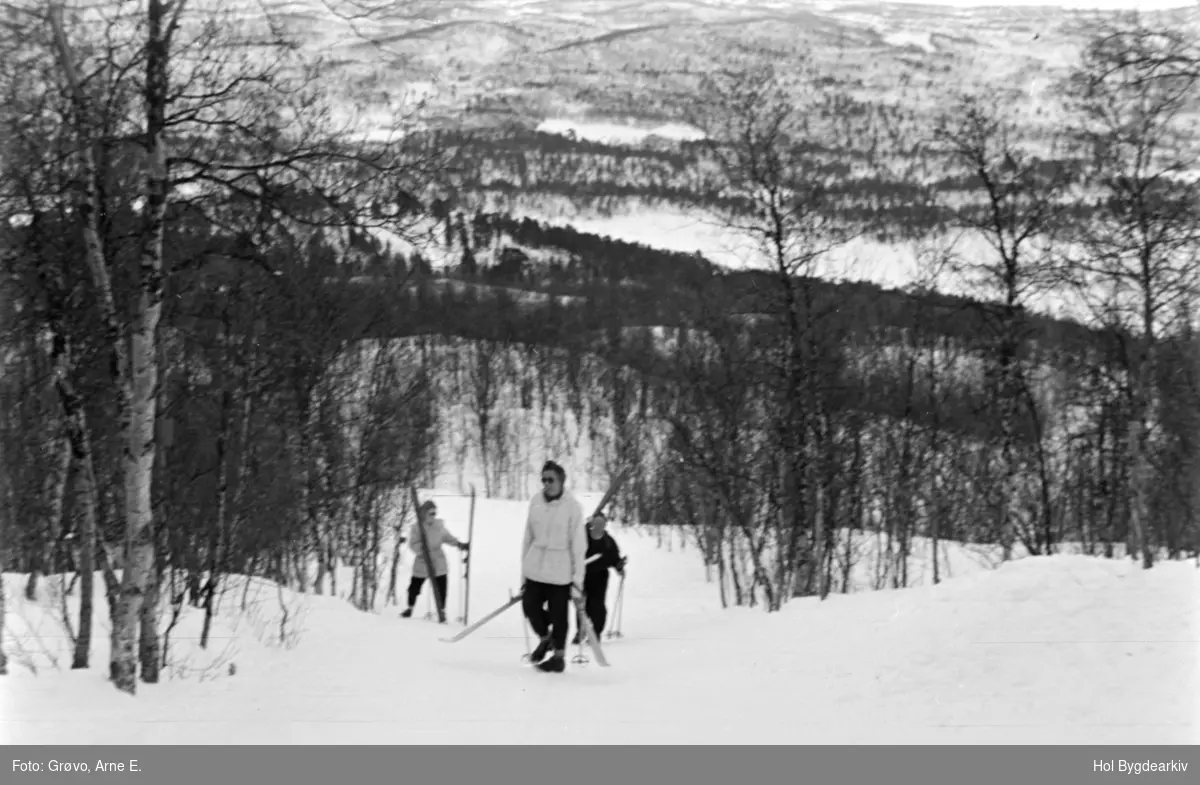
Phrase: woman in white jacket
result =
(433, 529)
(552, 564)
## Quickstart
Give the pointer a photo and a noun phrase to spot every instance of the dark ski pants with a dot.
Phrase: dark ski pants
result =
(414, 591)
(595, 591)
(545, 606)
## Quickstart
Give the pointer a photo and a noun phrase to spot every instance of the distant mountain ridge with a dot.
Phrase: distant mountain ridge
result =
(531, 59)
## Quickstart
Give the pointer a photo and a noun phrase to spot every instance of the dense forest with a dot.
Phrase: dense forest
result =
(212, 364)
(518, 160)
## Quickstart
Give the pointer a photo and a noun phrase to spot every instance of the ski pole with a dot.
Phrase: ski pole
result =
(466, 592)
(525, 629)
(621, 605)
(616, 616)
(462, 600)
(615, 632)
(462, 593)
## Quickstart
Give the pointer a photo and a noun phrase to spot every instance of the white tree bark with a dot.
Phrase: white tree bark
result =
(142, 381)
(137, 368)
(3, 656)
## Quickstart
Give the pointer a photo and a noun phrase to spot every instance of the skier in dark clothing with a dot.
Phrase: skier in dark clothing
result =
(601, 545)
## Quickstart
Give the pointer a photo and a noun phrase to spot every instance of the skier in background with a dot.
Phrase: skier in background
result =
(595, 582)
(433, 529)
(552, 555)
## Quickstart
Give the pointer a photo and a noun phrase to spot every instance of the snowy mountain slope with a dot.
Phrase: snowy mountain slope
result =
(542, 59)
(1045, 650)
(500, 62)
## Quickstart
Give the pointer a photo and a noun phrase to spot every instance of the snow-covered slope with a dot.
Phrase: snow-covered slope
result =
(1053, 650)
(567, 59)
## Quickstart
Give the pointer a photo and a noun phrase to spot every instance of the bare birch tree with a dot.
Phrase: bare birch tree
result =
(1134, 96)
(1023, 199)
(767, 129)
(218, 119)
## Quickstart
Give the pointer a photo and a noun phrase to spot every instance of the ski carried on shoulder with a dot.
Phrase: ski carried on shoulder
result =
(612, 491)
(464, 632)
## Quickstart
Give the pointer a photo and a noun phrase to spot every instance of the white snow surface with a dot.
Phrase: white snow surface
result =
(1062, 649)
(618, 133)
(905, 38)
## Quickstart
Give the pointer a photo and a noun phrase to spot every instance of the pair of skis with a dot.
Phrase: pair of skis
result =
(585, 622)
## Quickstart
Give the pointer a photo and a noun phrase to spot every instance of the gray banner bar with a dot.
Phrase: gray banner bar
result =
(467, 765)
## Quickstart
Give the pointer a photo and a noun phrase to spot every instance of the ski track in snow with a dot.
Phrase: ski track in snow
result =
(1044, 650)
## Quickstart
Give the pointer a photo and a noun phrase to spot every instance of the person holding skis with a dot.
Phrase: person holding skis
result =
(433, 530)
(552, 555)
(607, 555)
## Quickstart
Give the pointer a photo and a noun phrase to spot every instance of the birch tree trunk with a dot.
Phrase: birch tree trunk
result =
(4, 521)
(89, 206)
(149, 649)
(1139, 479)
(144, 370)
(818, 542)
(3, 656)
(135, 368)
(87, 542)
(217, 536)
(79, 447)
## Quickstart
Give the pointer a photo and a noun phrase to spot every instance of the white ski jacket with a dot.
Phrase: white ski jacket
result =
(436, 535)
(555, 541)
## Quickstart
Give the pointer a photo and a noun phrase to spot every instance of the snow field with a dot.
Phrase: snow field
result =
(1044, 650)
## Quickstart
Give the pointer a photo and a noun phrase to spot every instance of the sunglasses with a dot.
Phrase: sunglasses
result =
(549, 480)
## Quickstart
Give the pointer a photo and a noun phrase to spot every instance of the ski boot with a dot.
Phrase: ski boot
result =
(556, 664)
(539, 654)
